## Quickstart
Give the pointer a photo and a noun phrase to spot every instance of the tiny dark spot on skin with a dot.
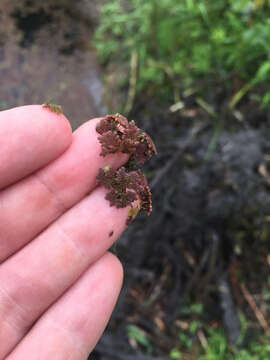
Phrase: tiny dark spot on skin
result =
(111, 233)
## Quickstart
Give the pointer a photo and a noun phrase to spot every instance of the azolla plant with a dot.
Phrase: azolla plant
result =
(127, 184)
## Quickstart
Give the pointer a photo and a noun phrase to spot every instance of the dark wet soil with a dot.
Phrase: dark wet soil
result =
(46, 56)
(209, 231)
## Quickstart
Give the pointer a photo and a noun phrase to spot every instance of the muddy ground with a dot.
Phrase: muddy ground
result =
(209, 230)
(46, 56)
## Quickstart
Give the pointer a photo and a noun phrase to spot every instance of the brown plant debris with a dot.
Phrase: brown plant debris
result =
(128, 183)
(53, 108)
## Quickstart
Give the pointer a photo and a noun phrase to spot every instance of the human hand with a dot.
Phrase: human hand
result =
(58, 283)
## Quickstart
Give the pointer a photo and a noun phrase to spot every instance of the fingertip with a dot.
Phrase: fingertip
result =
(31, 137)
(63, 129)
(114, 269)
(88, 131)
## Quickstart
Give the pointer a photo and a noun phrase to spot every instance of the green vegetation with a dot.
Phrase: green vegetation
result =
(139, 337)
(204, 342)
(183, 45)
(217, 348)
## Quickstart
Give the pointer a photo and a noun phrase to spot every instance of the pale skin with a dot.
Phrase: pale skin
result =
(58, 282)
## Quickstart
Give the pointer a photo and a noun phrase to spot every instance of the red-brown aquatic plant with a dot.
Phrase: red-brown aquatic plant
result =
(128, 183)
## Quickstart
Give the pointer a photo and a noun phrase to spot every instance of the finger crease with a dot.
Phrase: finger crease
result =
(60, 205)
(19, 311)
(71, 336)
(70, 239)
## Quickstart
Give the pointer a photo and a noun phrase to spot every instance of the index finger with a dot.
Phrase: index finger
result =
(31, 137)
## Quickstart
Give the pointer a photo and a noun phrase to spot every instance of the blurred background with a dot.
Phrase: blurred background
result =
(195, 75)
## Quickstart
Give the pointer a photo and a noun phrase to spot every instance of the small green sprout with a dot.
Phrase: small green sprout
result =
(133, 211)
(140, 337)
(53, 108)
(106, 168)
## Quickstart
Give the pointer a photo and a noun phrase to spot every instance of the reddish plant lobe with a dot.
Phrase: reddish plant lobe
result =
(119, 135)
(128, 183)
(126, 187)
